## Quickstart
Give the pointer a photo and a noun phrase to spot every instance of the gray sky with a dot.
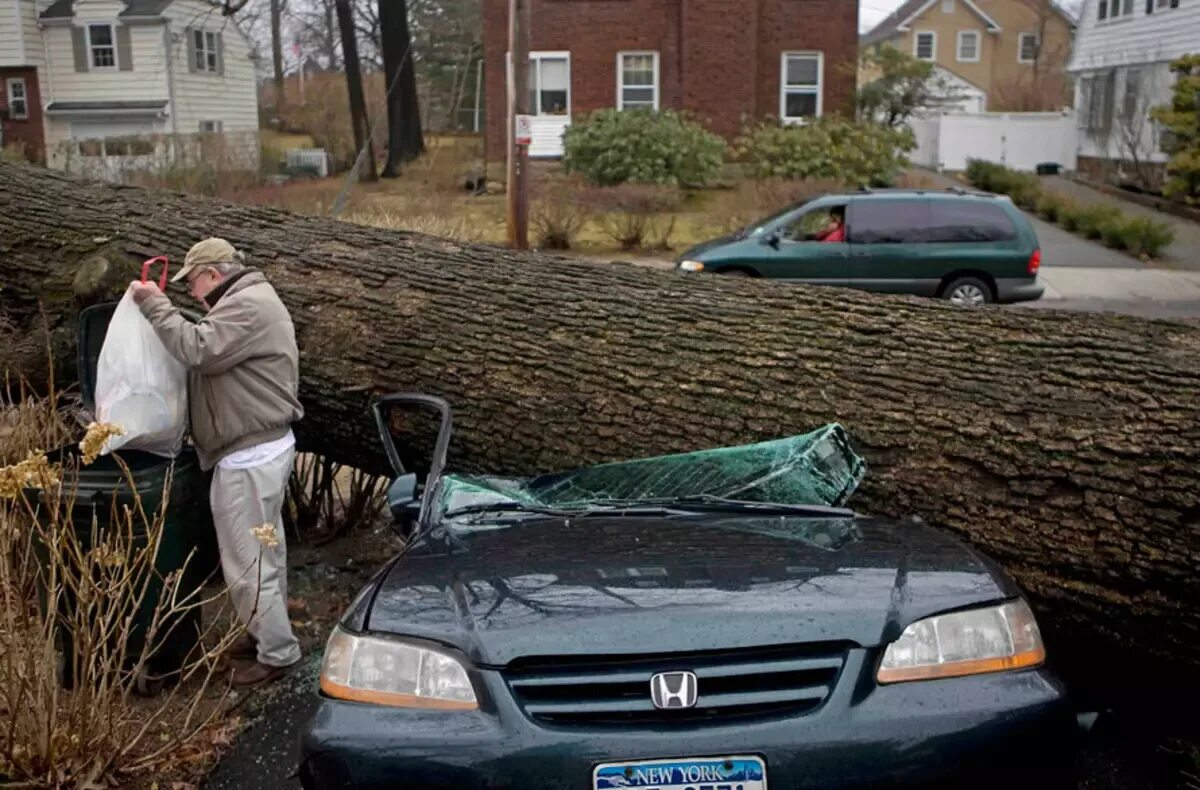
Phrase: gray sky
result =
(870, 12)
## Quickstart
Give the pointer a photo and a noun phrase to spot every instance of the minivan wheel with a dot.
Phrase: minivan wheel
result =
(968, 292)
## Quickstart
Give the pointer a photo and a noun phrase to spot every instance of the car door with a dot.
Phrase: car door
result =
(888, 251)
(792, 252)
(975, 233)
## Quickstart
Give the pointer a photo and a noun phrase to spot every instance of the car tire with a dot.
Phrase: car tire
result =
(735, 273)
(968, 292)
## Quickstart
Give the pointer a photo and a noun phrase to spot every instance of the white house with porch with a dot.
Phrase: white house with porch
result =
(128, 84)
(1121, 64)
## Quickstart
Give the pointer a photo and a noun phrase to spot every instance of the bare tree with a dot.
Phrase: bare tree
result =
(277, 7)
(358, 105)
(1046, 85)
(405, 141)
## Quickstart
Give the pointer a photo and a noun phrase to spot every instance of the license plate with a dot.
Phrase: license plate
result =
(709, 773)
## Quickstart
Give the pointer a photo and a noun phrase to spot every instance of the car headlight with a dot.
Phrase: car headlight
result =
(995, 639)
(391, 672)
(691, 266)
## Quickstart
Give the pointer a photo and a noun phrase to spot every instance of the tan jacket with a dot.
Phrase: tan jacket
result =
(243, 364)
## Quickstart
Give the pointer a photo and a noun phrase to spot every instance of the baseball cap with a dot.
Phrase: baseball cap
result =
(206, 253)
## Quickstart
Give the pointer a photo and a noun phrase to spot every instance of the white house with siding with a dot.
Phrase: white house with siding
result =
(1123, 51)
(137, 83)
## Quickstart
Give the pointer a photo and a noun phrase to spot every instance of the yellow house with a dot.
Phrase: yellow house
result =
(1006, 55)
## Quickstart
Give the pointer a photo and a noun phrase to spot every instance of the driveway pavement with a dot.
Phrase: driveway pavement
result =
(1060, 248)
(1183, 253)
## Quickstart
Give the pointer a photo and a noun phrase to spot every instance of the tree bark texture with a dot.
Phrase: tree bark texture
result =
(1064, 445)
(405, 140)
(358, 104)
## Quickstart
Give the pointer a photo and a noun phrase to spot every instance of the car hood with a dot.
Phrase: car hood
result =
(693, 253)
(631, 585)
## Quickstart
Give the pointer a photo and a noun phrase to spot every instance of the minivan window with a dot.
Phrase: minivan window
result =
(762, 225)
(970, 221)
(889, 221)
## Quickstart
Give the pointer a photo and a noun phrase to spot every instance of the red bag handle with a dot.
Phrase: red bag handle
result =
(162, 281)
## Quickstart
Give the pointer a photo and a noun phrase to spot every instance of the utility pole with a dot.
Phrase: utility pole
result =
(518, 105)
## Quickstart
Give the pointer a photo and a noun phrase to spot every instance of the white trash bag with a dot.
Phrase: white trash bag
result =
(140, 386)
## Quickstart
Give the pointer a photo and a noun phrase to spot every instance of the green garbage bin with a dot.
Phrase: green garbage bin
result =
(103, 488)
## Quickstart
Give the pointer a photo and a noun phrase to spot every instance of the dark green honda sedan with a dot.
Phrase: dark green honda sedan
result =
(968, 247)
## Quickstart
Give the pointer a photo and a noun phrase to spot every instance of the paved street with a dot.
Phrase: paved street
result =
(1141, 291)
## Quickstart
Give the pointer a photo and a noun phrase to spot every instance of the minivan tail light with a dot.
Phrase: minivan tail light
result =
(1035, 261)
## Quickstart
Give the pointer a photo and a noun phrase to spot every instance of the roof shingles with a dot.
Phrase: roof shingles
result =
(62, 9)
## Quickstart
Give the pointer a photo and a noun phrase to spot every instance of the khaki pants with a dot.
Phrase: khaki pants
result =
(256, 575)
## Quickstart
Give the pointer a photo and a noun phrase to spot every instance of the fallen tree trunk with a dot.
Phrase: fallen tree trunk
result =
(1066, 446)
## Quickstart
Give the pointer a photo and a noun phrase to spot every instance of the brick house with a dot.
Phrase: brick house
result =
(21, 121)
(718, 59)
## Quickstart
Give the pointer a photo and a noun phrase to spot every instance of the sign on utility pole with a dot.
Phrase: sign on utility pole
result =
(519, 136)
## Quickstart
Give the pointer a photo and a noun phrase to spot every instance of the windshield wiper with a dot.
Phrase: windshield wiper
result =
(508, 507)
(714, 502)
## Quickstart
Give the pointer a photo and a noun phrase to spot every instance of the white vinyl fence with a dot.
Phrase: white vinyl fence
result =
(1021, 141)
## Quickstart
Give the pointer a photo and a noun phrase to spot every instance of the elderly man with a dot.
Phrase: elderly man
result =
(243, 379)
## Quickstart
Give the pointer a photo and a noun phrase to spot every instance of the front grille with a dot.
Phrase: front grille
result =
(731, 685)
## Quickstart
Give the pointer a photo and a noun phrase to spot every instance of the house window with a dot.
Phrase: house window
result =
(1160, 5)
(18, 100)
(800, 87)
(116, 146)
(206, 50)
(101, 45)
(1027, 48)
(925, 46)
(549, 84)
(1129, 100)
(968, 46)
(1114, 9)
(637, 81)
(1096, 101)
(212, 127)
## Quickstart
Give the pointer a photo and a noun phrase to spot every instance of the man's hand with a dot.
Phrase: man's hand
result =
(142, 291)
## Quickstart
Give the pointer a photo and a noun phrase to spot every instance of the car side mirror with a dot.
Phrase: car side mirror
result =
(772, 239)
(403, 502)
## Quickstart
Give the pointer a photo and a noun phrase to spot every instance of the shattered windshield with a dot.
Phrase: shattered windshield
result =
(818, 469)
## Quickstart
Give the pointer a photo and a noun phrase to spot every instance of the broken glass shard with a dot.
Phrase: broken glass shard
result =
(817, 468)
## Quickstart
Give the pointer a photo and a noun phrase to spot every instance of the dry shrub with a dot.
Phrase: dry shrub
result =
(14, 153)
(637, 216)
(98, 732)
(323, 114)
(559, 215)
(329, 499)
(444, 225)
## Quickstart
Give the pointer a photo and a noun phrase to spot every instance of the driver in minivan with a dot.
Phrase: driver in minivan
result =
(835, 229)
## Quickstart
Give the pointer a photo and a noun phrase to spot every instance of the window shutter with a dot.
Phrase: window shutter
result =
(79, 44)
(191, 48)
(220, 53)
(124, 48)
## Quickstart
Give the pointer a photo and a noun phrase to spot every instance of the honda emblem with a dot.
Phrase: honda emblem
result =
(673, 690)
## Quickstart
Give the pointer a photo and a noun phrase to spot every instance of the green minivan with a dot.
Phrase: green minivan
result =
(968, 247)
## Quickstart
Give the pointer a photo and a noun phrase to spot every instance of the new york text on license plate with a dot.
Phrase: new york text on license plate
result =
(716, 773)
